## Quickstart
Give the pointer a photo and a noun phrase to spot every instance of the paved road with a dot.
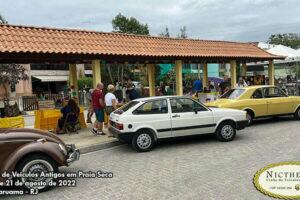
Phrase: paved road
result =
(195, 168)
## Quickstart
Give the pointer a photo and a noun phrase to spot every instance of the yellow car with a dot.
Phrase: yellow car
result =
(259, 101)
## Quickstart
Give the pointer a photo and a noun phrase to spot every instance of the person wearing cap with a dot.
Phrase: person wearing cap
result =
(110, 102)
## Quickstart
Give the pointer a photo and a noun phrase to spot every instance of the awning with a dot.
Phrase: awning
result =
(52, 78)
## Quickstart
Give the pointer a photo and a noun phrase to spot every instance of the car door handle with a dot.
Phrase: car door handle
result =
(174, 116)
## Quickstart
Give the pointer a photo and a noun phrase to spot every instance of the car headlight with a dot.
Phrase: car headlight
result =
(63, 149)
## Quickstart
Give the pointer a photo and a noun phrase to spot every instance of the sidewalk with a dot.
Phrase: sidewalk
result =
(84, 140)
(87, 142)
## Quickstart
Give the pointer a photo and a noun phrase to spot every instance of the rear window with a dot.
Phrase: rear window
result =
(153, 107)
(126, 107)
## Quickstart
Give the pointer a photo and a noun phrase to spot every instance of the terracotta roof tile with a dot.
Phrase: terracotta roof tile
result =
(49, 40)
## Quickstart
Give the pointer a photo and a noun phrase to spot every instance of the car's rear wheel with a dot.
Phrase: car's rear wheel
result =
(297, 114)
(226, 131)
(36, 165)
(143, 140)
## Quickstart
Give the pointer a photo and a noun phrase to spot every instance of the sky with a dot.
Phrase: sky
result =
(234, 20)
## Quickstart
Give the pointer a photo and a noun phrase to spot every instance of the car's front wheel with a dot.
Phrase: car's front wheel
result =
(297, 114)
(143, 141)
(37, 165)
(226, 131)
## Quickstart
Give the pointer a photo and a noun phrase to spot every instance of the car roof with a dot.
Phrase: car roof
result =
(256, 87)
(158, 97)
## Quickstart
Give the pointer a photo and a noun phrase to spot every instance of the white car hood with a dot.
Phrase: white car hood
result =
(226, 111)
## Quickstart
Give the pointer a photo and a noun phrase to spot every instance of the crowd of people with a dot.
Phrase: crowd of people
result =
(103, 101)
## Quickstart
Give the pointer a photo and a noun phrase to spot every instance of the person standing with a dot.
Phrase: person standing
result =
(91, 110)
(224, 85)
(132, 93)
(197, 86)
(98, 106)
(110, 102)
(242, 83)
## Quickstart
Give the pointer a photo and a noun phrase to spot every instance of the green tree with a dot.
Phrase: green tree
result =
(85, 82)
(2, 20)
(182, 33)
(288, 39)
(11, 74)
(130, 25)
(165, 33)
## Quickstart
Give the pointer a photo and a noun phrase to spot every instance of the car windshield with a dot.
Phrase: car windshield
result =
(233, 94)
(126, 107)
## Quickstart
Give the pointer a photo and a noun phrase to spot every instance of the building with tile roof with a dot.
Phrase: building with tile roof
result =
(29, 44)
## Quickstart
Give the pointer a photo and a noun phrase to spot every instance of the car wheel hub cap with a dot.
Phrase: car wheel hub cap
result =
(227, 131)
(35, 169)
(144, 141)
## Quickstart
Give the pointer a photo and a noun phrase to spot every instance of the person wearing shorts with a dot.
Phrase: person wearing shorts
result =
(110, 103)
(98, 106)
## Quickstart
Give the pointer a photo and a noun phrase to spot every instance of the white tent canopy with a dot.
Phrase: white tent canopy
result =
(284, 51)
(281, 50)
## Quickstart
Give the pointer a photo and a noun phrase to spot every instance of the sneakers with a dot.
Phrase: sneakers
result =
(96, 132)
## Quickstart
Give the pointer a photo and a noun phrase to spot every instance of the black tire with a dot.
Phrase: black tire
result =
(250, 117)
(226, 131)
(297, 114)
(143, 140)
(38, 162)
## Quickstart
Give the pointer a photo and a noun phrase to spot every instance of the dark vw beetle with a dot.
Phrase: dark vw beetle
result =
(33, 151)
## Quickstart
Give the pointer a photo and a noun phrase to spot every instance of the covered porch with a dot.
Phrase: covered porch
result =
(22, 44)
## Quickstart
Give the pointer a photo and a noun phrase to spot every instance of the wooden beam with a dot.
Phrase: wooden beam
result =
(73, 79)
(271, 73)
(205, 75)
(233, 73)
(244, 69)
(151, 79)
(96, 67)
(178, 72)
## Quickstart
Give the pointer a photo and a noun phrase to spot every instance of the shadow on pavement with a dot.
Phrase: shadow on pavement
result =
(269, 120)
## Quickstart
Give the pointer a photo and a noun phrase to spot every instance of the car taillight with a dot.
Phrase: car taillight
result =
(119, 126)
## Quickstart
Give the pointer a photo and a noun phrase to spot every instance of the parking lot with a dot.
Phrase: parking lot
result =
(189, 168)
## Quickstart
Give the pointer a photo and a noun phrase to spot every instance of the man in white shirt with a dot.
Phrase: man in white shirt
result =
(110, 102)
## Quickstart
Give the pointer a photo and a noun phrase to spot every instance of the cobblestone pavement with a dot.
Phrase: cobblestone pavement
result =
(194, 168)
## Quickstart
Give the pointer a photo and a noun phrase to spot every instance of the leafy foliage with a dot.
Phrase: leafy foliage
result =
(2, 20)
(165, 33)
(112, 73)
(170, 77)
(85, 82)
(182, 33)
(130, 25)
(288, 39)
(11, 74)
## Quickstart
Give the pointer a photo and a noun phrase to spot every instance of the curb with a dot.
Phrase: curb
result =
(97, 147)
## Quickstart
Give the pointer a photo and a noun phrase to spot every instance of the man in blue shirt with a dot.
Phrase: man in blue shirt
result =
(197, 86)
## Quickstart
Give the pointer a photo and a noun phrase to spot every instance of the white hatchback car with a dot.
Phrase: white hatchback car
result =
(144, 121)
